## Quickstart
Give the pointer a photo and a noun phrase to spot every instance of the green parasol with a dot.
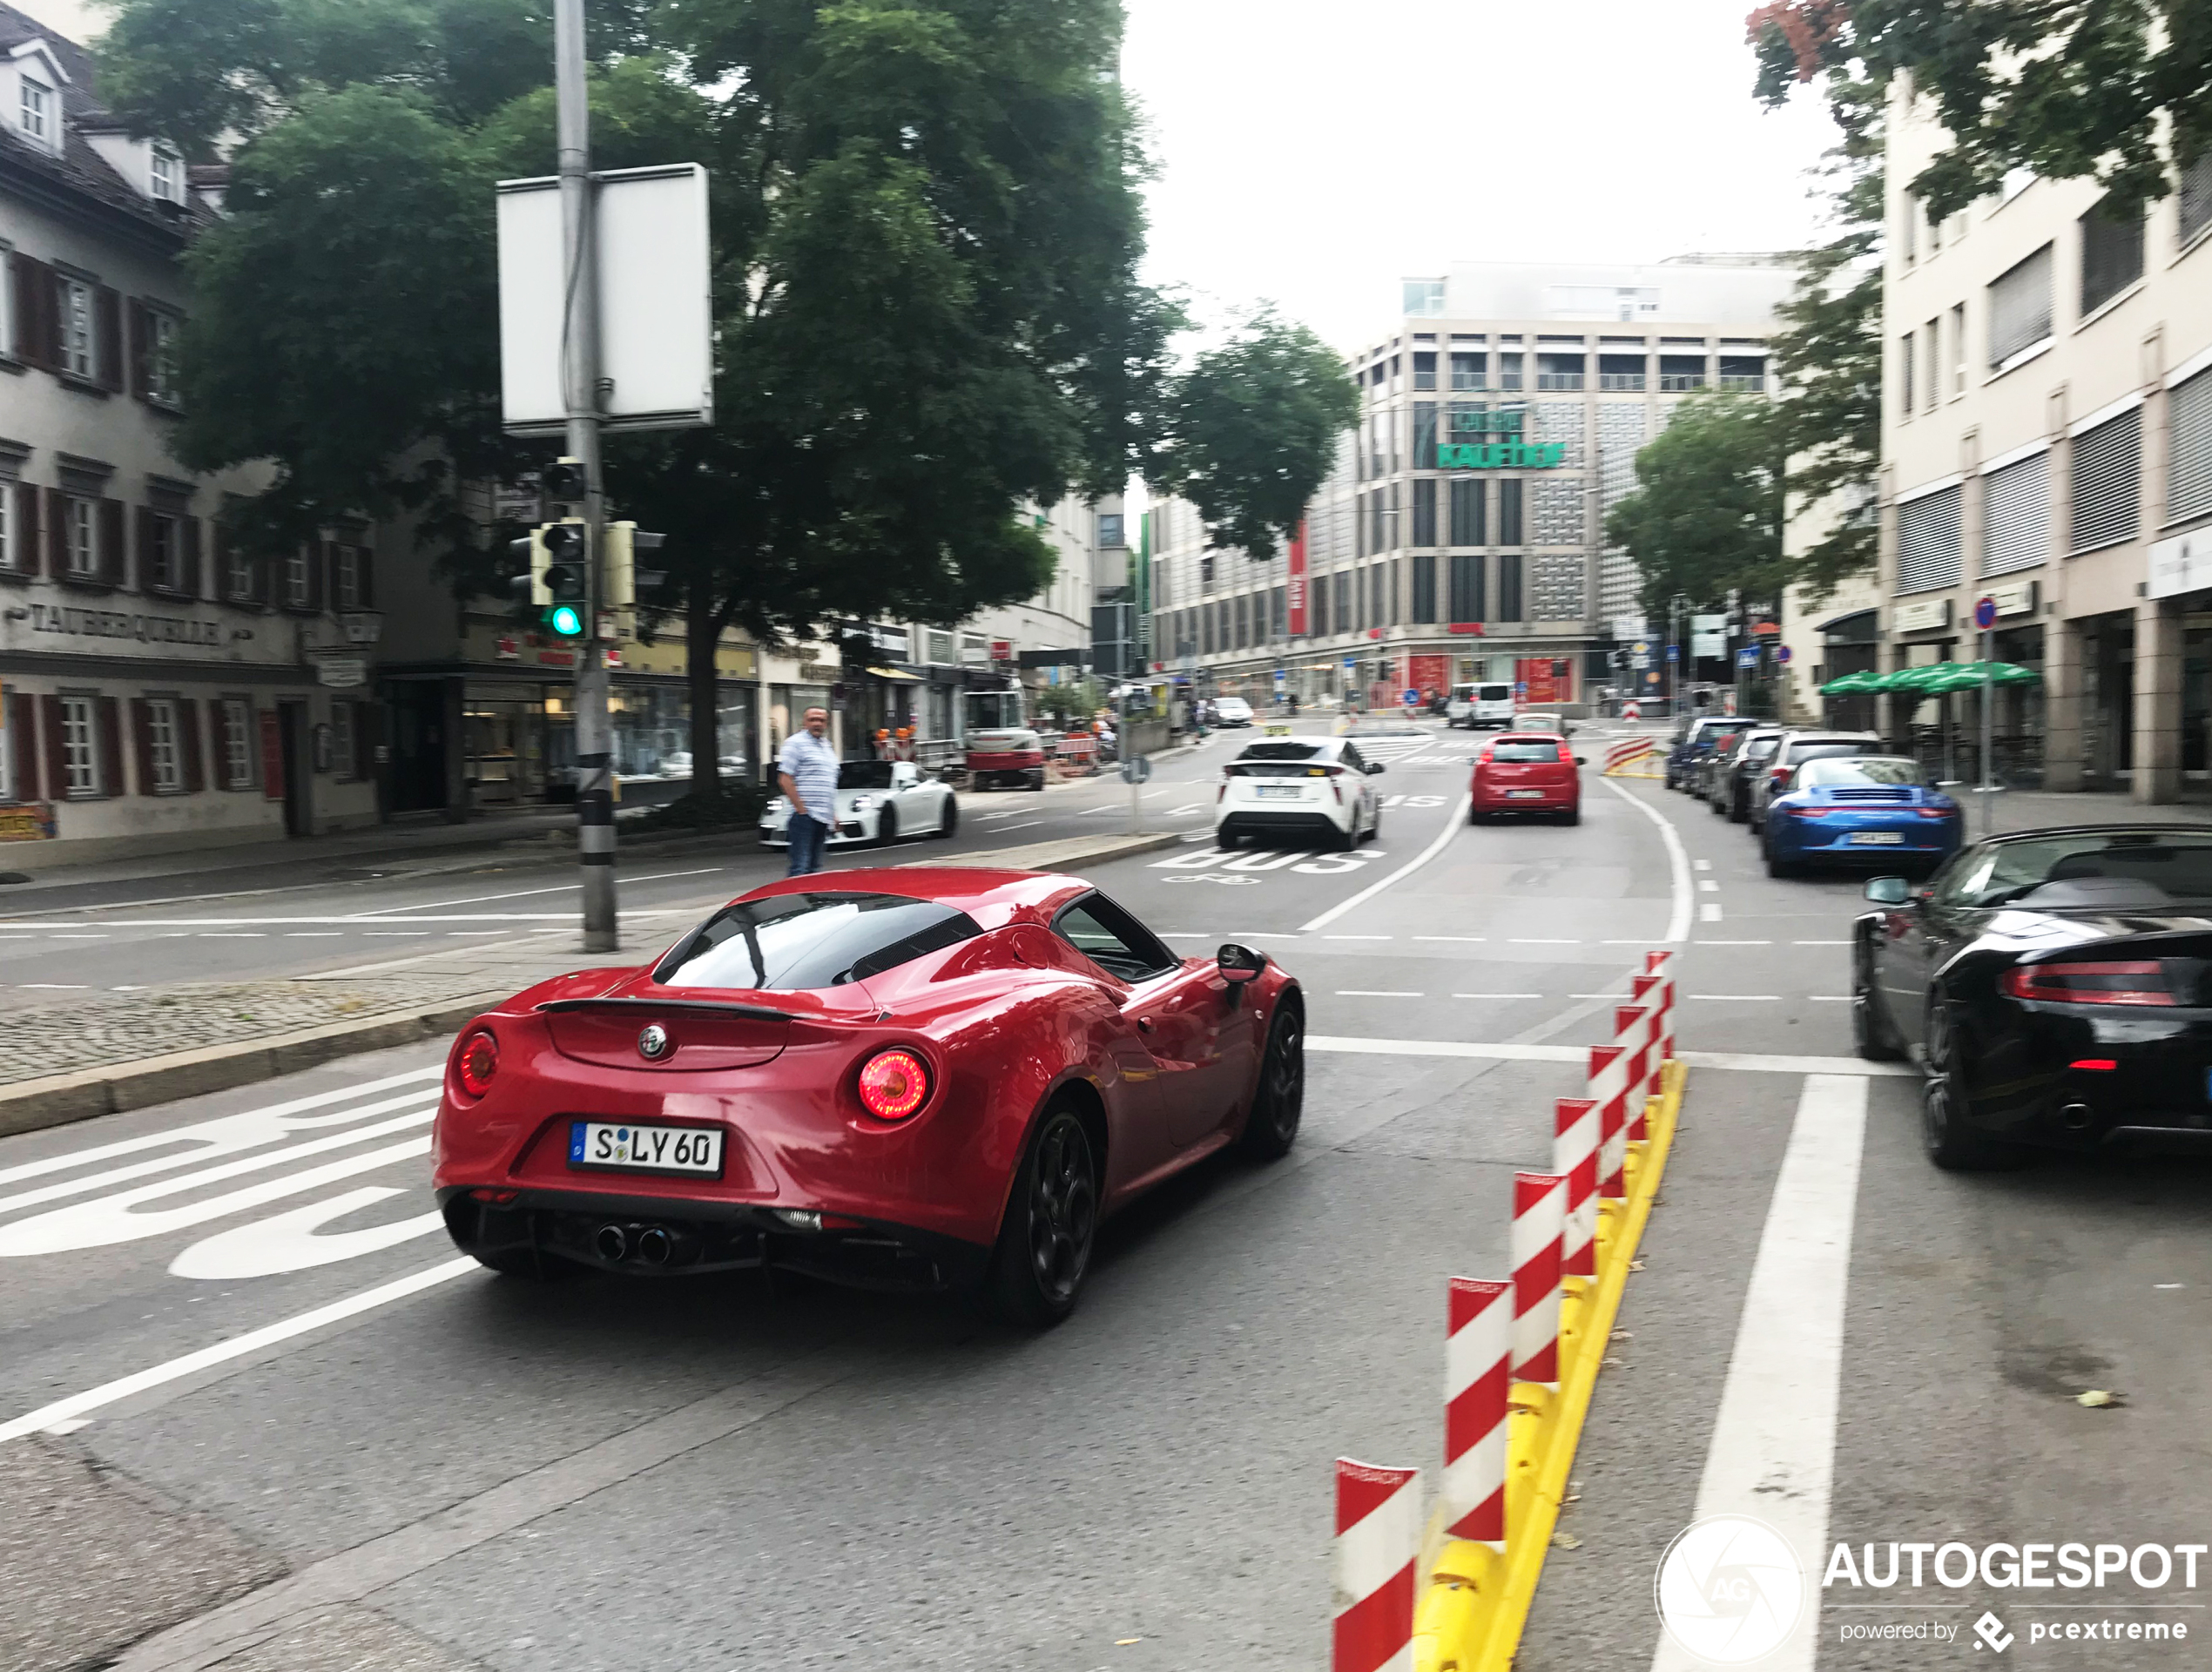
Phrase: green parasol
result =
(1852, 685)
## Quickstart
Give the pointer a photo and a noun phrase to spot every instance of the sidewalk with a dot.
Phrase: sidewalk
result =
(2039, 809)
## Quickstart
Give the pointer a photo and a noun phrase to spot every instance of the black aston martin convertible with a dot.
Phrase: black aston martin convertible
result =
(2054, 986)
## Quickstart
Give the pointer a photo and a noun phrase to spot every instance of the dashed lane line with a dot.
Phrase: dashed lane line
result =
(1708, 912)
(1374, 992)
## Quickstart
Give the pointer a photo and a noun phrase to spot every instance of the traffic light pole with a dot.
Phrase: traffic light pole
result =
(595, 810)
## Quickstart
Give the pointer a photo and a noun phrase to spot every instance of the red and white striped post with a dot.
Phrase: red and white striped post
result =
(1538, 1227)
(1658, 988)
(1379, 1540)
(1632, 1032)
(1609, 1090)
(1574, 1146)
(1478, 1354)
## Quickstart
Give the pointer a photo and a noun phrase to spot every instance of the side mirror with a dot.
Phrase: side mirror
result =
(1374, 766)
(1888, 891)
(1239, 963)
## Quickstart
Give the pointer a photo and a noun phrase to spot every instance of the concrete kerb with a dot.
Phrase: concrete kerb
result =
(33, 1105)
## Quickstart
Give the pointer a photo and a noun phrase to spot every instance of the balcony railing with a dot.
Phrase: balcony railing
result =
(1743, 380)
(1676, 382)
(1622, 382)
(1469, 381)
(1559, 380)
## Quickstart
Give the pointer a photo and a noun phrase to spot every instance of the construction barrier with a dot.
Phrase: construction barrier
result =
(1521, 1360)
(1632, 757)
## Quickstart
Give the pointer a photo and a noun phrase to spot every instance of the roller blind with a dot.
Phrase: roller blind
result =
(2016, 520)
(1928, 542)
(2188, 484)
(2107, 487)
(2020, 307)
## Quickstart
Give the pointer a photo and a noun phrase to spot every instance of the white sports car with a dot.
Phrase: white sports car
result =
(878, 802)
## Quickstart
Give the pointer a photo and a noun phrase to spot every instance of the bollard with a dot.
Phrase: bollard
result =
(1477, 1352)
(1378, 1536)
(1657, 993)
(1575, 1147)
(1539, 1226)
(1632, 1033)
(1608, 1090)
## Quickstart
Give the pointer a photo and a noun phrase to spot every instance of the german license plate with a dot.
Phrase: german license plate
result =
(1875, 838)
(614, 1146)
(1278, 792)
(1524, 795)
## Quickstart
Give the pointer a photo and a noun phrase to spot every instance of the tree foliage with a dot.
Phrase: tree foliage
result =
(2117, 89)
(1706, 516)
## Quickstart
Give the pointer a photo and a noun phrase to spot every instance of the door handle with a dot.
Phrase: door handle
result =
(1145, 1024)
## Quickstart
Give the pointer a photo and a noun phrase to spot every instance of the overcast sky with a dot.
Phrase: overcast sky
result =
(1313, 153)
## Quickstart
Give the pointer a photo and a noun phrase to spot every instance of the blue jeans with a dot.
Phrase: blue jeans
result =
(806, 837)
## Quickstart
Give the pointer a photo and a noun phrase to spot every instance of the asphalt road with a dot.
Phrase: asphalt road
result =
(392, 1460)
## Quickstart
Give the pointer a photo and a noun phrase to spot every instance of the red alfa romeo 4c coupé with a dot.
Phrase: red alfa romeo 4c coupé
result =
(917, 1078)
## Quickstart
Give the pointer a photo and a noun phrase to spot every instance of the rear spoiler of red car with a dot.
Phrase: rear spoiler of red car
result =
(710, 1007)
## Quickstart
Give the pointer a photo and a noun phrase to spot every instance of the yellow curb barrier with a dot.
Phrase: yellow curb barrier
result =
(1470, 1612)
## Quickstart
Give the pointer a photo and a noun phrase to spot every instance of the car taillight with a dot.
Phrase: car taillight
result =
(1780, 774)
(1810, 813)
(1935, 812)
(476, 1063)
(893, 1084)
(2140, 982)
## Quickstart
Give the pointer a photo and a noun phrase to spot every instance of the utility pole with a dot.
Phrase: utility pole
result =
(595, 811)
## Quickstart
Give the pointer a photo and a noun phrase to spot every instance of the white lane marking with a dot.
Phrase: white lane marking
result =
(1829, 998)
(1026, 824)
(314, 935)
(1738, 998)
(1819, 943)
(1701, 865)
(1355, 937)
(1372, 992)
(1677, 864)
(1708, 912)
(1451, 937)
(1177, 812)
(363, 920)
(466, 935)
(76, 937)
(1773, 1451)
(1452, 823)
(1497, 995)
(232, 935)
(55, 987)
(1706, 884)
(288, 1242)
(387, 934)
(236, 1347)
(524, 893)
(1743, 1061)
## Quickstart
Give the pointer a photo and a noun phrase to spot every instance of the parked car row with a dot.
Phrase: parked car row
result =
(1815, 798)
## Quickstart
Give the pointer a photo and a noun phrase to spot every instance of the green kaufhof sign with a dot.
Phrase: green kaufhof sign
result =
(1499, 455)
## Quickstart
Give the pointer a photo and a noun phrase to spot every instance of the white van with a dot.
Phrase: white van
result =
(1478, 706)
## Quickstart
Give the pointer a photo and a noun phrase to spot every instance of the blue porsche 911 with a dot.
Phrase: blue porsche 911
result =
(1858, 809)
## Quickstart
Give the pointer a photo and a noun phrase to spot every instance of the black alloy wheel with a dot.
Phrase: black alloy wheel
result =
(886, 827)
(1278, 1102)
(950, 822)
(1044, 1247)
(1871, 1036)
(1950, 1142)
(1739, 807)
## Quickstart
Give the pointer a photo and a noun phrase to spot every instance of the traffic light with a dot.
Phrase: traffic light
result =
(566, 580)
(563, 482)
(624, 541)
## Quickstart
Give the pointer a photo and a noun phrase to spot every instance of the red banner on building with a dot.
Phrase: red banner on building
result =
(1428, 673)
(1297, 590)
(1548, 679)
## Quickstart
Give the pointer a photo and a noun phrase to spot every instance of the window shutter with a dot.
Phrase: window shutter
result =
(188, 547)
(23, 721)
(142, 742)
(1928, 536)
(139, 336)
(2188, 483)
(2196, 197)
(2016, 516)
(112, 558)
(188, 745)
(2020, 307)
(111, 746)
(2108, 490)
(107, 338)
(50, 710)
(56, 533)
(33, 311)
(146, 576)
(30, 548)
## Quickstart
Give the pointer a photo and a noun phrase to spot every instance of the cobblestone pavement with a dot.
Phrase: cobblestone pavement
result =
(100, 1030)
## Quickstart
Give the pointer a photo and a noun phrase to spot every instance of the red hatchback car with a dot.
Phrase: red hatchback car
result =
(917, 1078)
(1527, 772)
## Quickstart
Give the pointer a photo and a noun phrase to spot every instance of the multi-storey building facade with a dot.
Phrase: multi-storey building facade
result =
(2046, 443)
(1460, 534)
(161, 689)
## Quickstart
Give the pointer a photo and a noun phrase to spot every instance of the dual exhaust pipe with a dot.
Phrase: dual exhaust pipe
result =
(650, 1246)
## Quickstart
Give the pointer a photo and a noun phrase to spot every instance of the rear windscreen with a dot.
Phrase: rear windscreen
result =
(1493, 693)
(1803, 751)
(864, 775)
(1282, 751)
(791, 942)
(1526, 753)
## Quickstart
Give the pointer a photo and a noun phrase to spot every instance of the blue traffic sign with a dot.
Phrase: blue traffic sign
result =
(1781, 653)
(1747, 656)
(1674, 652)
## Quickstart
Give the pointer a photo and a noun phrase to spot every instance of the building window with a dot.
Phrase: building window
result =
(348, 576)
(1561, 371)
(295, 578)
(1508, 371)
(1469, 502)
(1928, 542)
(36, 112)
(164, 558)
(1622, 374)
(1909, 227)
(1424, 598)
(79, 352)
(1317, 611)
(1344, 600)
(1509, 585)
(2111, 253)
(1424, 435)
(2016, 516)
(1510, 516)
(80, 543)
(2019, 309)
(2108, 490)
(1465, 600)
(237, 744)
(2188, 483)
(1109, 529)
(1744, 372)
(162, 757)
(237, 573)
(1423, 368)
(1679, 372)
(11, 557)
(163, 331)
(1908, 366)
(1425, 298)
(343, 753)
(167, 174)
(1425, 510)
(1468, 370)
(1958, 348)
(2196, 197)
(80, 747)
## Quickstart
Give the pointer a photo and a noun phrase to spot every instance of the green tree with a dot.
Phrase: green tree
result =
(2067, 88)
(1706, 516)
(1252, 431)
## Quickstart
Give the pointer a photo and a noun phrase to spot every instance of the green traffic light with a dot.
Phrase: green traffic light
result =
(566, 620)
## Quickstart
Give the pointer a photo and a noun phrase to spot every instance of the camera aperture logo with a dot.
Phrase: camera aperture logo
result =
(1729, 1589)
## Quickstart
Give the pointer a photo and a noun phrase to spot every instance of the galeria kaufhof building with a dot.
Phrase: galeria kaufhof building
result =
(1459, 536)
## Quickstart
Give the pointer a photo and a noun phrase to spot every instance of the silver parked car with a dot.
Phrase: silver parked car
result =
(1791, 751)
